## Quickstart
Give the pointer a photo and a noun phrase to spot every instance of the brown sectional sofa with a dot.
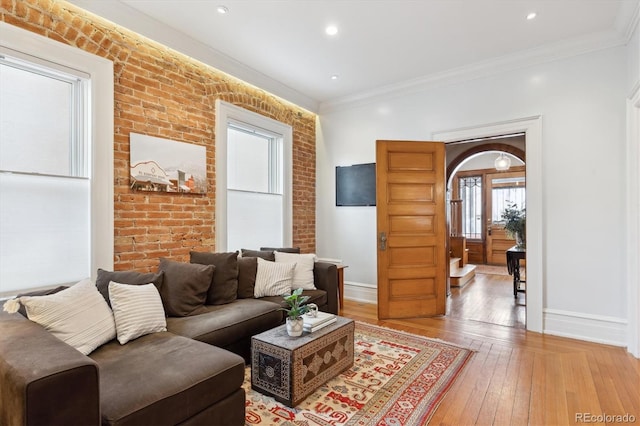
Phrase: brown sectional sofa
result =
(190, 375)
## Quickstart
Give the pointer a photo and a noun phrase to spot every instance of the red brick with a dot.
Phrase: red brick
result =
(162, 93)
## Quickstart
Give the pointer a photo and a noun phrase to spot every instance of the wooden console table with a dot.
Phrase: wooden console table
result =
(514, 254)
(341, 285)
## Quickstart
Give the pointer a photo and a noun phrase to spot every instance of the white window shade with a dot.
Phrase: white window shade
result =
(255, 218)
(44, 231)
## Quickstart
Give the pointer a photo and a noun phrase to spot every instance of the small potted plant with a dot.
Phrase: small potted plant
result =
(296, 308)
(515, 223)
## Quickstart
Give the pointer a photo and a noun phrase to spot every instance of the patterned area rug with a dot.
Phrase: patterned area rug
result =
(397, 379)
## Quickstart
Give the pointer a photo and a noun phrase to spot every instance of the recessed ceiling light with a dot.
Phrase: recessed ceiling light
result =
(331, 30)
(531, 16)
(222, 9)
(335, 77)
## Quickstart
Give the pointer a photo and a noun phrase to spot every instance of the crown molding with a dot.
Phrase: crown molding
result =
(540, 55)
(121, 14)
(628, 19)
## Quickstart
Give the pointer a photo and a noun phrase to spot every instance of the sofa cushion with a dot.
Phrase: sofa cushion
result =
(137, 310)
(162, 379)
(185, 286)
(223, 325)
(125, 277)
(303, 274)
(224, 287)
(263, 254)
(273, 279)
(78, 315)
(247, 269)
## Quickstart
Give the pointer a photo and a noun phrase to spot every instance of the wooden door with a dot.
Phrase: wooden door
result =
(497, 240)
(411, 225)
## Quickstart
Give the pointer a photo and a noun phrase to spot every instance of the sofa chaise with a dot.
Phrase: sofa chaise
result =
(190, 374)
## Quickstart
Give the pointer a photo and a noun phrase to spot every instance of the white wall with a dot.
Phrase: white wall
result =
(582, 104)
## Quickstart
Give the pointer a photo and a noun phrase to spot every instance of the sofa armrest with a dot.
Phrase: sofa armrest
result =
(325, 277)
(42, 379)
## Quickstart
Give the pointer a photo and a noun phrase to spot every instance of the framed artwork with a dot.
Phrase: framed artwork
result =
(163, 165)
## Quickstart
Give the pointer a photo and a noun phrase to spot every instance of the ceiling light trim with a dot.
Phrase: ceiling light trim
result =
(132, 19)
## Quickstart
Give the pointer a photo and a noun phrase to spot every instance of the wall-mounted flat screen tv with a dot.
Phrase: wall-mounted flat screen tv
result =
(356, 185)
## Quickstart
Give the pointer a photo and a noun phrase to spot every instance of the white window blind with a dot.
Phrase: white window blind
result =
(255, 203)
(45, 189)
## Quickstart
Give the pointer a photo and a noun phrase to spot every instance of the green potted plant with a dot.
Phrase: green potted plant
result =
(297, 307)
(515, 223)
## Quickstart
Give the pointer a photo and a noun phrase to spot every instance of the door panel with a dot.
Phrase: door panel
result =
(412, 267)
(497, 240)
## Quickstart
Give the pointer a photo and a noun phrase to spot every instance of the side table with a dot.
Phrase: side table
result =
(291, 368)
(514, 254)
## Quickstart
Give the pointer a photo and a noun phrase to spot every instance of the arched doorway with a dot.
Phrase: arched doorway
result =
(478, 195)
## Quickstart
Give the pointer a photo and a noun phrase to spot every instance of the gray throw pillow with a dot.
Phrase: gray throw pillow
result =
(125, 277)
(282, 249)
(247, 269)
(224, 287)
(264, 254)
(185, 286)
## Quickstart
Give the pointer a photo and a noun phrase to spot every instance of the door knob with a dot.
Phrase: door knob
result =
(383, 241)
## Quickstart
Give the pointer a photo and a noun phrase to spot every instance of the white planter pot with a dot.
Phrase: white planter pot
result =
(295, 327)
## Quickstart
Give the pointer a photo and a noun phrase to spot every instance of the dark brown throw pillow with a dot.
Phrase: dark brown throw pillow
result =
(282, 249)
(185, 286)
(224, 287)
(247, 269)
(265, 254)
(22, 310)
(125, 277)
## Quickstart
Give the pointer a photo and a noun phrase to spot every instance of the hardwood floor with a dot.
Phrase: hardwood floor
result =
(488, 298)
(518, 377)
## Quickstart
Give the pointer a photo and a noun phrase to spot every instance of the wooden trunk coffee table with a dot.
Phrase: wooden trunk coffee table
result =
(291, 368)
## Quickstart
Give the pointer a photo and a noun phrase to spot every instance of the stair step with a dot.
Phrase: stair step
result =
(454, 265)
(463, 275)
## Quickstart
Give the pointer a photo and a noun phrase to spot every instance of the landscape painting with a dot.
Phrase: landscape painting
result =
(163, 165)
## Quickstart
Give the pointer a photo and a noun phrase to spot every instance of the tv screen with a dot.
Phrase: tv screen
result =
(356, 185)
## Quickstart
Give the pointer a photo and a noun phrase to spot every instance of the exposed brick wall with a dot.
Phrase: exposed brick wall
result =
(160, 92)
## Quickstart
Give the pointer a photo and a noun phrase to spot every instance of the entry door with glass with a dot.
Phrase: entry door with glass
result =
(501, 190)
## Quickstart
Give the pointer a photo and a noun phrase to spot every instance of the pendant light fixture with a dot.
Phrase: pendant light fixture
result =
(502, 163)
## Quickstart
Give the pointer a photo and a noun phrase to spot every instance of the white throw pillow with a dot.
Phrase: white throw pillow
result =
(303, 274)
(137, 310)
(273, 279)
(79, 316)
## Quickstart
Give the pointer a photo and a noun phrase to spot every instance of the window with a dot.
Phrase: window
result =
(470, 190)
(56, 165)
(254, 184)
(43, 163)
(253, 180)
(506, 192)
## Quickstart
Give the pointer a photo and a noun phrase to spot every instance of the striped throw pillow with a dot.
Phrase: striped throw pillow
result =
(137, 310)
(79, 316)
(273, 279)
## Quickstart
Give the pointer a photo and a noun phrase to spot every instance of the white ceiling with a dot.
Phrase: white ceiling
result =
(381, 46)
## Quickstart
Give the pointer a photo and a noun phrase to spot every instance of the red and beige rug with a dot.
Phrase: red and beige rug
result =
(397, 379)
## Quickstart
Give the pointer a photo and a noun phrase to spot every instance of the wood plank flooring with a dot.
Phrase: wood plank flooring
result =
(518, 377)
(488, 298)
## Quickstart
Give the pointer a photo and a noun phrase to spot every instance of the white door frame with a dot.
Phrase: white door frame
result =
(633, 222)
(532, 127)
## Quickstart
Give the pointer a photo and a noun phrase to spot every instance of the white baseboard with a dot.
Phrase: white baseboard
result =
(592, 328)
(361, 292)
(573, 325)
